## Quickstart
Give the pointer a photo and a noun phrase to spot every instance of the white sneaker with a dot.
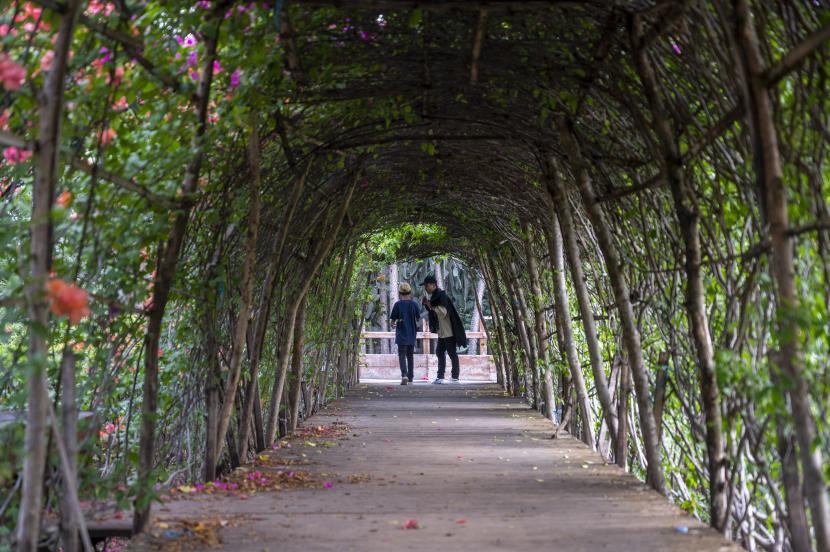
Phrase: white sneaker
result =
(439, 381)
(455, 380)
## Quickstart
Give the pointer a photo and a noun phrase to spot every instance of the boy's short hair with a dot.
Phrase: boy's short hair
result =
(404, 289)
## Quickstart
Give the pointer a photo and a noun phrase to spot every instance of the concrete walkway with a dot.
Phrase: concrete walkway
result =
(473, 469)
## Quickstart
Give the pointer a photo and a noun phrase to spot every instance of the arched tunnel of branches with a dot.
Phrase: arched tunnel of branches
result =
(198, 197)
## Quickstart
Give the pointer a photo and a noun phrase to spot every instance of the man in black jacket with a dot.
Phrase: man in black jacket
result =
(445, 321)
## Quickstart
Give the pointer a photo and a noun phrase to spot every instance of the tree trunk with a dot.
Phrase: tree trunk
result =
(539, 323)
(688, 216)
(235, 364)
(504, 373)
(330, 234)
(571, 249)
(165, 272)
(475, 323)
(394, 282)
(767, 160)
(624, 390)
(562, 306)
(631, 336)
(297, 365)
(69, 416)
(521, 329)
(50, 107)
(383, 292)
(252, 396)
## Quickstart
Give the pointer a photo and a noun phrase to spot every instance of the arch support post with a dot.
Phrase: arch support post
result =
(688, 217)
(539, 325)
(773, 193)
(563, 314)
(562, 211)
(619, 283)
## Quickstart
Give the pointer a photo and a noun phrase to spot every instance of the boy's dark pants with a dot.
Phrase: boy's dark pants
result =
(447, 345)
(406, 360)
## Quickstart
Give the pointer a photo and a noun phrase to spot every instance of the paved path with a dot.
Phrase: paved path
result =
(476, 470)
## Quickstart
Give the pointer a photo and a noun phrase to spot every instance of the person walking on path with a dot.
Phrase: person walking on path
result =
(445, 321)
(405, 315)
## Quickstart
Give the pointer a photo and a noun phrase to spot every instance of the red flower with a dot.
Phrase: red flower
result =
(106, 136)
(67, 300)
(64, 199)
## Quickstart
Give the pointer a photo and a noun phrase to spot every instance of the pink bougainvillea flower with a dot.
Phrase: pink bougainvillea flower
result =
(328, 485)
(411, 524)
(46, 60)
(95, 7)
(12, 75)
(676, 47)
(14, 155)
(461, 521)
(121, 104)
(217, 67)
(67, 300)
(64, 199)
(193, 59)
(235, 78)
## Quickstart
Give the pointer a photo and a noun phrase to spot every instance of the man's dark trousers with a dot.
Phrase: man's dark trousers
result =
(447, 345)
(406, 359)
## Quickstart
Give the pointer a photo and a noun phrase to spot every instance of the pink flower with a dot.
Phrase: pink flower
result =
(328, 485)
(217, 67)
(14, 155)
(6, 29)
(96, 6)
(235, 78)
(109, 428)
(189, 41)
(676, 47)
(12, 75)
(193, 59)
(121, 104)
(46, 60)
(4, 120)
(411, 524)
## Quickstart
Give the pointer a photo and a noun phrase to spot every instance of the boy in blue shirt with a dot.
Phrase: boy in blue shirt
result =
(405, 315)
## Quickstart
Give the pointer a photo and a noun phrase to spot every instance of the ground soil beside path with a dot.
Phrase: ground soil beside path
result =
(474, 469)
